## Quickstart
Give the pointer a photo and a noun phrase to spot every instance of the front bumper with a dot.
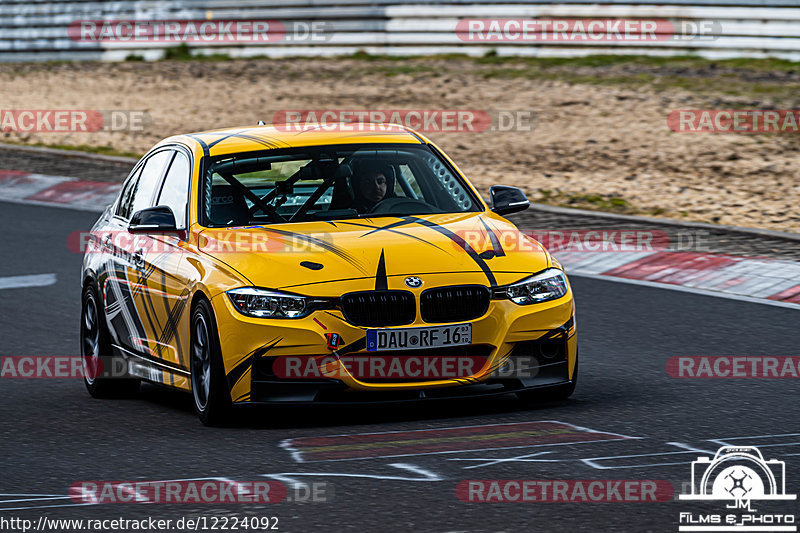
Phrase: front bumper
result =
(507, 331)
(336, 392)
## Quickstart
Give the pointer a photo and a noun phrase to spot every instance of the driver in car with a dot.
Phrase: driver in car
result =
(370, 186)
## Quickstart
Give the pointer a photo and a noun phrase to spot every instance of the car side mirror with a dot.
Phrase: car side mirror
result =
(507, 199)
(153, 220)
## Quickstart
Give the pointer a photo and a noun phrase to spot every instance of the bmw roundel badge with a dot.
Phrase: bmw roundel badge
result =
(413, 282)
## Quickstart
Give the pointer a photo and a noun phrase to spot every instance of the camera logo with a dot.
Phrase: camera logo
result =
(740, 474)
(737, 475)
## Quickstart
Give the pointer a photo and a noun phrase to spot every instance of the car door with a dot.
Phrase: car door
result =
(127, 274)
(164, 295)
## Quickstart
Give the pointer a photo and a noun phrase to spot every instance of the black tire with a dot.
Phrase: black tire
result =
(212, 399)
(555, 394)
(96, 345)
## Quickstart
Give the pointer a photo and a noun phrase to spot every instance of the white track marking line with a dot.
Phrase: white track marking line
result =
(426, 475)
(45, 506)
(519, 458)
(25, 494)
(591, 461)
(724, 441)
(774, 445)
(690, 448)
(465, 451)
(35, 499)
(36, 280)
(692, 290)
(43, 498)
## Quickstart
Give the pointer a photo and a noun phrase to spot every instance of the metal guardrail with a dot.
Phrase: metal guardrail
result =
(36, 30)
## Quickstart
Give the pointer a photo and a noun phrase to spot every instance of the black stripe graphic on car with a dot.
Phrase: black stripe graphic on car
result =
(381, 282)
(202, 143)
(462, 243)
(138, 291)
(171, 327)
(354, 346)
(496, 247)
(325, 245)
(242, 367)
(390, 228)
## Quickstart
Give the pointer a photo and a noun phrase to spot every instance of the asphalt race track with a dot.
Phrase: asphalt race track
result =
(54, 434)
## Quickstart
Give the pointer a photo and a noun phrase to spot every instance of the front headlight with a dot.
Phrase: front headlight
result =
(263, 303)
(544, 286)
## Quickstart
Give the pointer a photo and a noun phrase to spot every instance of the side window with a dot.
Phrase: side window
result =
(175, 192)
(126, 196)
(148, 180)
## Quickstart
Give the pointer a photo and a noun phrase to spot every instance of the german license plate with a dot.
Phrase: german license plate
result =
(416, 338)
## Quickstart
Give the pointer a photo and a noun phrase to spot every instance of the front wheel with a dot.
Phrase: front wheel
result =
(212, 401)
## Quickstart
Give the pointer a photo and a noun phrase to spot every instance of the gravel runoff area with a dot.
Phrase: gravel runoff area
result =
(680, 236)
(599, 139)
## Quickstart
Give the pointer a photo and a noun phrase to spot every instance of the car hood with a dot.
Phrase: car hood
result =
(293, 256)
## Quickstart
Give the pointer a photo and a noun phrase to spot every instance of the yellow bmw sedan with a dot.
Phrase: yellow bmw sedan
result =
(328, 265)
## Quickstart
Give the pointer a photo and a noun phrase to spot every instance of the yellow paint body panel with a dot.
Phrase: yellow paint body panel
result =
(352, 250)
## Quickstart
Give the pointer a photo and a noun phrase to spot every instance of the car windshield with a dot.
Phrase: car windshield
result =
(331, 182)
